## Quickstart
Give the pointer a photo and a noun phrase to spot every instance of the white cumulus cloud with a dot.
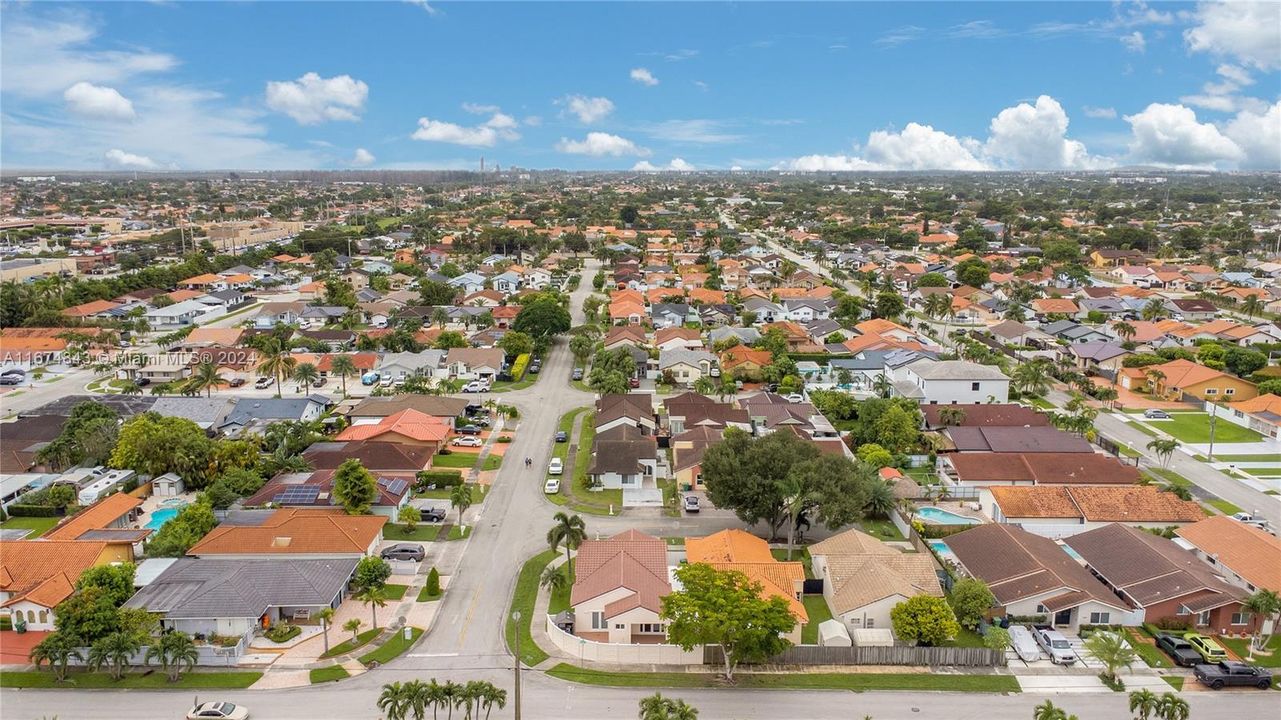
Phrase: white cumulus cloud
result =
(311, 99)
(1248, 31)
(1105, 113)
(643, 76)
(122, 160)
(921, 147)
(97, 101)
(589, 109)
(1165, 134)
(363, 158)
(1035, 137)
(1134, 42)
(676, 165)
(498, 127)
(599, 144)
(1258, 134)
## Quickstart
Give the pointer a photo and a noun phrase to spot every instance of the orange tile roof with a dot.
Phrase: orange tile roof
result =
(44, 569)
(1268, 403)
(180, 295)
(206, 279)
(1055, 305)
(736, 356)
(409, 423)
(295, 531)
(90, 308)
(1246, 551)
(727, 546)
(1183, 373)
(95, 517)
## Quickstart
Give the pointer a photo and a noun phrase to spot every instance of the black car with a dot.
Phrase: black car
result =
(1228, 674)
(143, 382)
(468, 430)
(404, 551)
(434, 514)
(1179, 650)
(562, 436)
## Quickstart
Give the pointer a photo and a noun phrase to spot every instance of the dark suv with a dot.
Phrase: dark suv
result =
(434, 515)
(404, 551)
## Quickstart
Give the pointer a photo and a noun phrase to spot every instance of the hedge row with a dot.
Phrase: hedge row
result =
(439, 478)
(16, 510)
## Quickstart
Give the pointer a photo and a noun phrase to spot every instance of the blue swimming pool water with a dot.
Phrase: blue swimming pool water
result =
(162, 516)
(943, 517)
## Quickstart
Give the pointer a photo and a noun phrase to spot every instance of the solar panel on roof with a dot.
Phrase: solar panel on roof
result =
(397, 486)
(300, 495)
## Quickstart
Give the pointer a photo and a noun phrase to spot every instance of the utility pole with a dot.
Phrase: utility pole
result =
(516, 694)
(1213, 418)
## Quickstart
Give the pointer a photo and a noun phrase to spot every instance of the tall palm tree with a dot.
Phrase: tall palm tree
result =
(305, 374)
(1154, 377)
(1032, 378)
(395, 701)
(451, 696)
(657, 707)
(129, 387)
(1154, 310)
(57, 649)
(569, 530)
(880, 500)
(796, 499)
(1268, 604)
(1252, 305)
(1163, 448)
(460, 498)
(1172, 707)
(114, 651)
(433, 694)
(276, 363)
(206, 378)
(951, 415)
(881, 385)
(325, 616)
(1143, 703)
(1124, 330)
(374, 597)
(492, 696)
(173, 650)
(704, 386)
(343, 367)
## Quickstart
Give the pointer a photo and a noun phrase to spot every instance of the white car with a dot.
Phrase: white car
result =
(476, 386)
(796, 398)
(555, 467)
(468, 441)
(552, 486)
(223, 710)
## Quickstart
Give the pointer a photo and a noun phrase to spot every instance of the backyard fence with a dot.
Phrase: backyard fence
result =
(897, 655)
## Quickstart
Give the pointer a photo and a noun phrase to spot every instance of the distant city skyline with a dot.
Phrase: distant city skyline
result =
(640, 86)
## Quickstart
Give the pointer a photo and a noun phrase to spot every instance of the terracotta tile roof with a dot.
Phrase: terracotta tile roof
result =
(95, 517)
(852, 542)
(295, 531)
(777, 579)
(90, 308)
(46, 570)
(1263, 404)
(727, 546)
(408, 423)
(631, 560)
(1093, 503)
(1055, 305)
(1185, 373)
(1245, 550)
(862, 579)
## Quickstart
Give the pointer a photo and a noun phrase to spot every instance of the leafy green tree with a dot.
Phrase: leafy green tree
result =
(973, 272)
(516, 343)
(932, 279)
(970, 599)
(450, 339)
(152, 444)
(186, 528)
(581, 347)
(889, 305)
(433, 583)
(434, 292)
(897, 429)
(410, 516)
(725, 608)
(996, 638)
(115, 580)
(371, 572)
(542, 318)
(354, 487)
(874, 455)
(924, 619)
(1243, 361)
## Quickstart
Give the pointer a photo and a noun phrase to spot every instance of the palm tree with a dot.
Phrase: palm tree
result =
(305, 374)
(1047, 711)
(395, 701)
(1143, 703)
(1163, 448)
(951, 415)
(657, 707)
(353, 626)
(451, 696)
(433, 694)
(57, 649)
(343, 367)
(704, 386)
(1155, 377)
(374, 597)
(1124, 330)
(115, 651)
(569, 530)
(206, 377)
(1032, 378)
(1153, 310)
(1172, 707)
(440, 316)
(796, 499)
(1107, 395)
(554, 579)
(882, 385)
(460, 498)
(276, 363)
(1268, 604)
(1252, 305)
(173, 649)
(491, 695)
(1111, 650)
(326, 615)
(129, 387)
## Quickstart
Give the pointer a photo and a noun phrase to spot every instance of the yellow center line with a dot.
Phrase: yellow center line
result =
(471, 611)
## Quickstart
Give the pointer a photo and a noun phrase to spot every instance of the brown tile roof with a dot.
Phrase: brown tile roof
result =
(295, 531)
(384, 456)
(1043, 468)
(1094, 503)
(859, 580)
(95, 517)
(741, 551)
(631, 560)
(1245, 550)
(1016, 440)
(44, 571)
(1002, 415)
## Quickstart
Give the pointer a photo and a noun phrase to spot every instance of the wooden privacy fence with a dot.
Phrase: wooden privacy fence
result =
(897, 655)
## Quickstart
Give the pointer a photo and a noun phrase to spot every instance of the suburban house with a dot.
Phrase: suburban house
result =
(1261, 414)
(375, 408)
(295, 532)
(407, 427)
(688, 449)
(951, 382)
(623, 457)
(389, 457)
(631, 409)
(863, 578)
(619, 583)
(475, 363)
(1036, 439)
(251, 413)
(1031, 575)
(1065, 510)
(1035, 468)
(1244, 555)
(987, 415)
(36, 575)
(1179, 378)
(1162, 580)
(110, 520)
(692, 410)
(620, 335)
(686, 366)
(743, 552)
(316, 489)
(232, 598)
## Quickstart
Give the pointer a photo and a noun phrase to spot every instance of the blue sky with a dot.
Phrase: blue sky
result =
(647, 85)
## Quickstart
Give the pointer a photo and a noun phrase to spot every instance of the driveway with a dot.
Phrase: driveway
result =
(15, 648)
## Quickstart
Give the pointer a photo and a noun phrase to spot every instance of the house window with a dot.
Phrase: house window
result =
(1040, 609)
(598, 621)
(1211, 391)
(651, 627)
(1240, 618)
(974, 386)
(1100, 618)
(620, 626)
(1203, 618)
(1183, 610)
(871, 623)
(1230, 391)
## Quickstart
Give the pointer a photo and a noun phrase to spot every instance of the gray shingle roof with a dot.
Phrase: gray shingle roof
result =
(204, 588)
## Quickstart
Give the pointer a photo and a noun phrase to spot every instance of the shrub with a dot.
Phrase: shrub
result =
(518, 367)
(433, 583)
(439, 478)
(1174, 623)
(282, 632)
(16, 510)
(1114, 684)
(504, 439)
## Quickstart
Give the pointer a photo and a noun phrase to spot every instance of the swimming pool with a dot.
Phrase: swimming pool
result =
(162, 515)
(943, 551)
(943, 517)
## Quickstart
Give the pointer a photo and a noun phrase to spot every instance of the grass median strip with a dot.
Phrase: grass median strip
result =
(800, 681)
(349, 645)
(329, 674)
(155, 680)
(523, 601)
(393, 648)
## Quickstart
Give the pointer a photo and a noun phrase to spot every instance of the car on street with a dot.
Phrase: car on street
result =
(1228, 674)
(264, 383)
(691, 503)
(552, 486)
(562, 436)
(1056, 644)
(236, 382)
(404, 551)
(12, 379)
(216, 710)
(577, 374)
(1156, 414)
(1179, 650)
(555, 467)
(468, 430)
(476, 386)
(467, 441)
(1210, 650)
(434, 514)
(535, 368)
(796, 398)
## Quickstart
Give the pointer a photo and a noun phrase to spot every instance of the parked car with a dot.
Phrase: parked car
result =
(476, 386)
(1228, 674)
(144, 382)
(404, 551)
(12, 379)
(1053, 642)
(715, 372)
(1155, 414)
(633, 383)
(434, 514)
(552, 486)
(369, 378)
(14, 371)
(555, 467)
(1179, 650)
(236, 382)
(262, 384)
(535, 368)
(468, 430)
(691, 503)
(467, 441)
(796, 398)
(562, 436)
(318, 382)
(1210, 650)
(577, 374)
(224, 710)
(1025, 646)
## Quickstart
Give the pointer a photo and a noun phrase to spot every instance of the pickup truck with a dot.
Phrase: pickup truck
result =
(1228, 673)
(1053, 642)
(1179, 650)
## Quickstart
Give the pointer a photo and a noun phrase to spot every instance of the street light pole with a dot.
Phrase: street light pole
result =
(1213, 418)
(516, 694)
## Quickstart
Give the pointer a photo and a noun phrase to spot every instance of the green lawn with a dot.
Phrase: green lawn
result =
(881, 529)
(156, 680)
(508, 386)
(1194, 427)
(675, 541)
(523, 601)
(37, 525)
(393, 648)
(347, 646)
(1224, 506)
(449, 533)
(1249, 458)
(801, 681)
(329, 674)
(1175, 681)
(966, 638)
(1148, 652)
(923, 475)
(424, 596)
(816, 608)
(477, 494)
(1241, 646)
(800, 554)
(560, 598)
(423, 532)
(1172, 477)
(583, 458)
(492, 462)
(461, 460)
(1042, 403)
(1144, 429)
(394, 592)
